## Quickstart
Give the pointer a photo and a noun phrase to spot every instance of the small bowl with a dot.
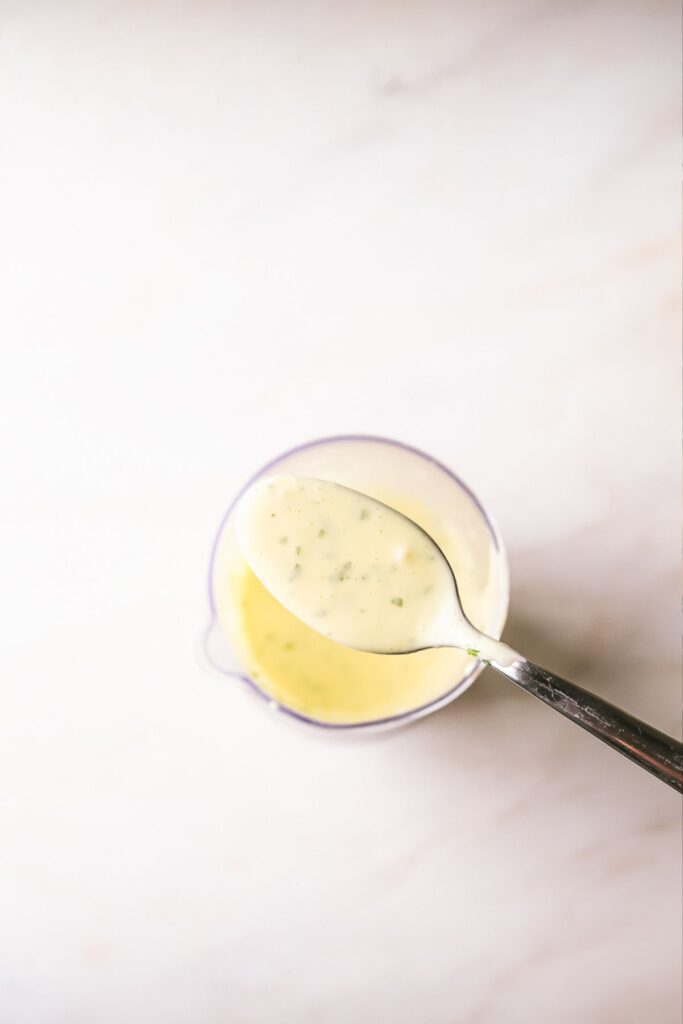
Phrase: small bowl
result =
(380, 467)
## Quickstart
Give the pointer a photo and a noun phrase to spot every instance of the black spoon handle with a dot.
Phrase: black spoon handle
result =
(654, 751)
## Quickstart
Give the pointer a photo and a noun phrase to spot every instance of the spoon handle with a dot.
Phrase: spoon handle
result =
(654, 751)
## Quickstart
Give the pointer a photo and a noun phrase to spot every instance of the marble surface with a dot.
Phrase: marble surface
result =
(228, 228)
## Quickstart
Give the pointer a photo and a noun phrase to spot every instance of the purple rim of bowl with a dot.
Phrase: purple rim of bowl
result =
(376, 723)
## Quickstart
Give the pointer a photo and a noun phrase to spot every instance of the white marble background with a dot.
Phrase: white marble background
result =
(230, 227)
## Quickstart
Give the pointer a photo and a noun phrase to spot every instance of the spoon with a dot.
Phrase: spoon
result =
(366, 576)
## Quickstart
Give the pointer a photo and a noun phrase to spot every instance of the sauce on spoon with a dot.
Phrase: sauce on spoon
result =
(354, 569)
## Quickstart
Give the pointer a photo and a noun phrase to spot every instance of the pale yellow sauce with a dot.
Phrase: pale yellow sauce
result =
(319, 678)
(354, 569)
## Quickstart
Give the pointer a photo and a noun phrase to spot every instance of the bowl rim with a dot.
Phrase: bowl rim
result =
(405, 716)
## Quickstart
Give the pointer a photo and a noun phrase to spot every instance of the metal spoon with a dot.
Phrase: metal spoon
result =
(657, 753)
(379, 548)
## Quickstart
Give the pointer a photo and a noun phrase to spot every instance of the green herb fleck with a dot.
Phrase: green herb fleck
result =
(473, 652)
(290, 646)
(283, 540)
(398, 601)
(486, 661)
(298, 550)
(321, 533)
(295, 572)
(341, 574)
(364, 514)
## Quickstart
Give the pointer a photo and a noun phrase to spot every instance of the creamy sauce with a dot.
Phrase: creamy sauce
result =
(353, 569)
(304, 671)
(323, 680)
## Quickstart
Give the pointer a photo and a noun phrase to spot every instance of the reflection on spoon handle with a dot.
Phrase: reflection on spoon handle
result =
(654, 751)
